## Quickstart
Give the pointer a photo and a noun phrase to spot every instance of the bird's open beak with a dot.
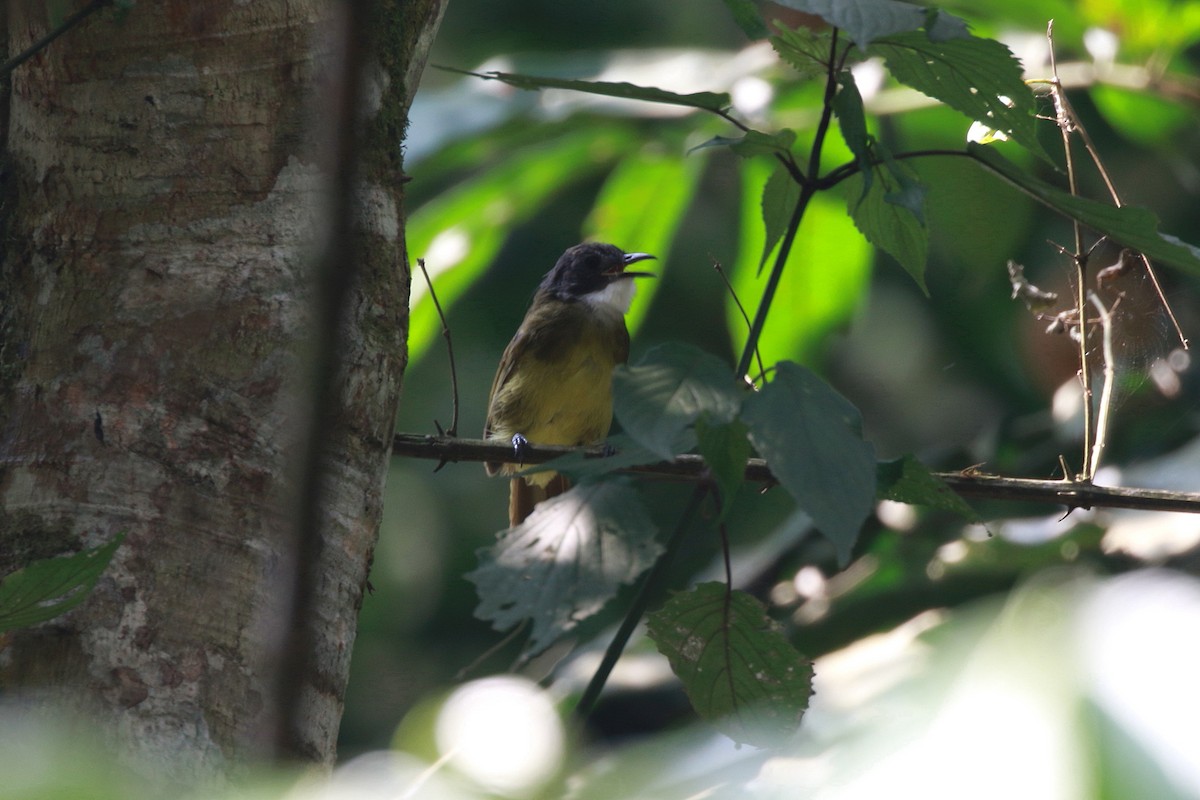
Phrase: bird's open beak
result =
(633, 258)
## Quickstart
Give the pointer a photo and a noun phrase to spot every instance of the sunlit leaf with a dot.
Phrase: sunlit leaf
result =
(977, 77)
(812, 438)
(52, 586)
(739, 671)
(658, 399)
(823, 283)
(640, 208)
(460, 232)
(565, 561)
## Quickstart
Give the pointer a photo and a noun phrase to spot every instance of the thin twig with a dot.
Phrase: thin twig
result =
(453, 429)
(741, 309)
(41, 44)
(1065, 123)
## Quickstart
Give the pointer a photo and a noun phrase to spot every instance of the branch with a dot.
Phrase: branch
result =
(1072, 494)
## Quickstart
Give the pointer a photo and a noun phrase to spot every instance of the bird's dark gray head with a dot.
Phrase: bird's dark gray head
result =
(589, 268)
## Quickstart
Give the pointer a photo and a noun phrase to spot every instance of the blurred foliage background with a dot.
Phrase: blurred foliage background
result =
(503, 181)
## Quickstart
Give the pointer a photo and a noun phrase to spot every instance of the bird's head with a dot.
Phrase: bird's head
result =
(596, 273)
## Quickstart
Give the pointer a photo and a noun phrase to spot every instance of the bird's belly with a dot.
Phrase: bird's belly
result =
(573, 404)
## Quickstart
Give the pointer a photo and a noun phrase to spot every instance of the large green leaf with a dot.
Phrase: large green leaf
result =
(977, 77)
(739, 671)
(658, 399)
(640, 207)
(564, 562)
(823, 282)
(460, 232)
(885, 210)
(1131, 226)
(52, 586)
(812, 438)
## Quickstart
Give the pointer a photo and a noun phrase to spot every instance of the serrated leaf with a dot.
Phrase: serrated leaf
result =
(740, 673)
(708, 101)
(52, 586)
(811, 436)
(977, 77)
(907, 480)
(658, 399)
(745, 14)
(806, 50)
(1130, 226)
(565, 561)
(864, 20)
(725, 449)
(779, 199)
(883, 211)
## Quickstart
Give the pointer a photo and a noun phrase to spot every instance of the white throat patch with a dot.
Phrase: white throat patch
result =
(618, 295)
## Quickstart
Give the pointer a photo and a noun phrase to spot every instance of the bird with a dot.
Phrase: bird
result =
(554, 382)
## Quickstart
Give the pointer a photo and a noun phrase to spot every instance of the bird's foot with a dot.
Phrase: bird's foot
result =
(520, 446)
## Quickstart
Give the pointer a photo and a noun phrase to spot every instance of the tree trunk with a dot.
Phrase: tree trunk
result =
(163, 196)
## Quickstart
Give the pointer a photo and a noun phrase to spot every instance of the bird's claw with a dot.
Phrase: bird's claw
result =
(520, 446)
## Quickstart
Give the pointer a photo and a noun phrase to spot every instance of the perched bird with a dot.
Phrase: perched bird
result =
(554, 383)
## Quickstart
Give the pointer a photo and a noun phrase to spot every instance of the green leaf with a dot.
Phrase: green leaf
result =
(907, 480)
(779, 199)
(826, 276)
(725, 449)
(811, 436)
(977, 77)
(745, 14)
(852, 121)
(1131, 226)
(883, 210)
(658, 399)
(461, 231)
(564, 562)
(806, 50)
(640, 207)
(753, 143)
(738, 670)
(707, 101)
(52, 586)
(864, 20)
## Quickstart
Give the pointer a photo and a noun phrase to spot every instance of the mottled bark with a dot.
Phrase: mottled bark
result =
(163, 200)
